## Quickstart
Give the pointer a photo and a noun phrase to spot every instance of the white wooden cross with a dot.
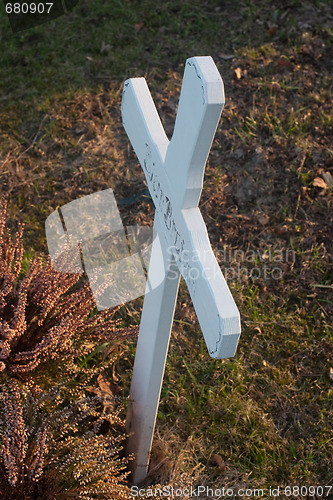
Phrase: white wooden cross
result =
(174, 172)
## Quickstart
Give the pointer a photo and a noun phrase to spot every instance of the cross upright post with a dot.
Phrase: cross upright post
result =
(174, 172)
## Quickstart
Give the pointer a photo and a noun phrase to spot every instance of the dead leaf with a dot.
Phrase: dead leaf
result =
(80, 129)
(184, 312)
(328, 179)
(220, 462)
(93, 390)
(106, 386)
(263, 219)
(138, 26)
(274, 87)
(106, 392)
(331, 373)
(272, 31)
(319, 182)
(105, 47)
(283, 64)
(281, 229)
(226, 57)
(113, 348)
(238, 72)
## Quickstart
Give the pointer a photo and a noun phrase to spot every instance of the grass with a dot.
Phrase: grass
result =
(268, 411)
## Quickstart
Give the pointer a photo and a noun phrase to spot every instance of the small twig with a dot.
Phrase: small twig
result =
(297, 205)
(302, 164)
(34, 139)
(321, 307)
(4, 163)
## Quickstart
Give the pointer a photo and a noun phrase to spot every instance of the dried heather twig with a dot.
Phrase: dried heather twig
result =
(10, 254)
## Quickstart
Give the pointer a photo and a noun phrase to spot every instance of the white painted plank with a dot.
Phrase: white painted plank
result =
(151, 352)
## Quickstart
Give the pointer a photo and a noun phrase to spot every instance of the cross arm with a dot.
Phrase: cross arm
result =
(214, 305)
(141, 121)
(200, 105)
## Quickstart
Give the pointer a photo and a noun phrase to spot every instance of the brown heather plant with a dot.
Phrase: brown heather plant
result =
(55, 443)
(52, 451)
(45, 314)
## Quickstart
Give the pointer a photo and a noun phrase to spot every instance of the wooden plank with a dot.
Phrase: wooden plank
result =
(174, 172)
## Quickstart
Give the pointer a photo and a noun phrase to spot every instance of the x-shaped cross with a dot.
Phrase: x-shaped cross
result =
(174, 172)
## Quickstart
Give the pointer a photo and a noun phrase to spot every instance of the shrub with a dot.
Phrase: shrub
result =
(50, 450)
(44, 314)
